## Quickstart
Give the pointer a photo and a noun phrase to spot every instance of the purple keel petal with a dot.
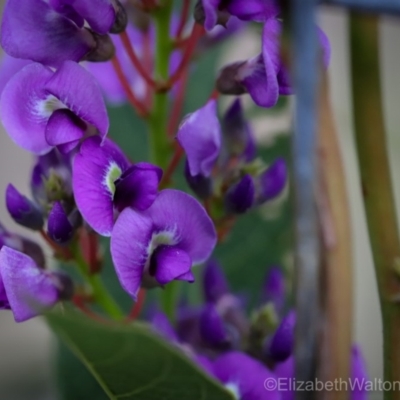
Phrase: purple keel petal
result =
(64, 127)
(168, 263)
(95, 170)
(129, 248)
(75, 87)
(33, 30)
(24, 108)
(29, 289)
(137, 187)
(187, 220)
(200, 137)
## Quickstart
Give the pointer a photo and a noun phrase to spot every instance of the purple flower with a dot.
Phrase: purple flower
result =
(200, 136)
(212, 327)
(244, 376)
(104, 182)
(264, 76)
(280, 346)
(41, 109)
(23, 211)
(25, 288)
(162, 243)
(59, 228)
(52, 32)
(9, 67)
(274, 288)
(215, 285)
(240, 197)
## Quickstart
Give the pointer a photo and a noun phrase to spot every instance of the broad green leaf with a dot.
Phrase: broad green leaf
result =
(132, 362)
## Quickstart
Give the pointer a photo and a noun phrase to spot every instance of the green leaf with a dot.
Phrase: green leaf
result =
(132, 362)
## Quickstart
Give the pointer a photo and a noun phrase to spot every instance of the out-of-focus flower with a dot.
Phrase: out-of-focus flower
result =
(26, 289)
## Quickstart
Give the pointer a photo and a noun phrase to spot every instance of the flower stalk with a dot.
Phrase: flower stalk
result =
(376, 183)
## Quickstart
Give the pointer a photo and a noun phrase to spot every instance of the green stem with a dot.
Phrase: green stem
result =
(169, 299)
(100, 294)
(376, 183)
(160, 146)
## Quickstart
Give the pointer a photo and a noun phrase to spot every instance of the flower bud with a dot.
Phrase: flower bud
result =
(280, 346)
(240, 197)
(211, 16)
(121, 18)
(104, 49)
(274, 288)
(34, 251)
(212, 327)
(271, 182)
(59, 227)
(214, 282)
(22, 210)
(200, 184)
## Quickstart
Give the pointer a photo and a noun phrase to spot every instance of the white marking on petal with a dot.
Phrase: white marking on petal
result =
(112, 174)
(45, 107)
(234, 389)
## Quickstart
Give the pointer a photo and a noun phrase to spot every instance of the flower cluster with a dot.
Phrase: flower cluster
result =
(243, 353)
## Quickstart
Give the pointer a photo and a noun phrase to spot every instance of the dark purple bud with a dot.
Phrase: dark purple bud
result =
(34, 251)
(200, 184)
(104, 49)
(274, 288)
(64, 285)
(121, 18)
(240, 197)
(212, 327)
(228, 81)
(272, 181)
(23, 211)
(215, 284)
(239, 138)
(280, 346)
(59, 227)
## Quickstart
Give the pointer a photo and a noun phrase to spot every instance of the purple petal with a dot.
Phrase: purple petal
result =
(280, 347)
(245, 375)
(240, 197)
(215, 284)
(359, 374)
(22, 210)
(131, 236)
(64, 127)
(212, 327)
(187, 220)
(9, 67)
(95, 169)
(137, 187)
(253, 10)
(274, 288)
(58, 226)
(23, 108)
(33, 30)
(168, 263)
(161, 325)
(209, 13)
(78, 90)
(29, 289)
(285, 372)
(200, 137)
(272, 181)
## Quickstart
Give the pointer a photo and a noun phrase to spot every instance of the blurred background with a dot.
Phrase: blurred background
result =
(25, 349)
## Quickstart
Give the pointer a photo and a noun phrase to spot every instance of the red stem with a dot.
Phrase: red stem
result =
(197, 32)
(183, 18)
(172, 165)
(137, 307)
(135, 102)
(135, 60)
(178, 105)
